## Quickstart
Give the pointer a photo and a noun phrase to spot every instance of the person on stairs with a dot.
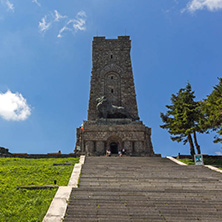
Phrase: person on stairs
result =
(123, 151)
(108, 153)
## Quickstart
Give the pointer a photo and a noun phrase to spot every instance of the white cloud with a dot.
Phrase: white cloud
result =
(58, 16)
(79, 24)
(211, 5)
(80, 21)
(62, 30)
(8, 4)
(43, 25)
(74, 25)
(81, 14)
(36, 2)
(13, 107)
(219, 153)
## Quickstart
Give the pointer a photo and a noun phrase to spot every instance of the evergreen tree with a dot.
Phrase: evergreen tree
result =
(212, 111)
(182, 118)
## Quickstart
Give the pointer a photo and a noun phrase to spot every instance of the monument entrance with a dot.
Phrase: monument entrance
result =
(114, 148)
(113, 120)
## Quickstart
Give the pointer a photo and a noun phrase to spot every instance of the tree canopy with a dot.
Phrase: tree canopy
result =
(212, 112)
(182, 117)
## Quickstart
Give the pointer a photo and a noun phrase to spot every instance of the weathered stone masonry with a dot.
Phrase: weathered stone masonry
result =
(112, 78)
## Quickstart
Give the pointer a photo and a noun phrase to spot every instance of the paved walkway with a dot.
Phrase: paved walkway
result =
(145, 189)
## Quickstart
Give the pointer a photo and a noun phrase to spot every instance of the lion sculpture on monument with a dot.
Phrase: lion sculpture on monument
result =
(107, 110)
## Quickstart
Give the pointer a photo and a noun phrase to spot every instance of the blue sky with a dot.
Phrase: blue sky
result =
(45, 64)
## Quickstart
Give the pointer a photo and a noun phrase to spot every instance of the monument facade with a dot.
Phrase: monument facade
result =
(113, 121)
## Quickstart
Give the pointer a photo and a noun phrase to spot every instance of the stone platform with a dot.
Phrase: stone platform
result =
(95, 137)
(145, 189)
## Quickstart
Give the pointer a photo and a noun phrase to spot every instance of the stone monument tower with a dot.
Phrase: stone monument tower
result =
(113, 121)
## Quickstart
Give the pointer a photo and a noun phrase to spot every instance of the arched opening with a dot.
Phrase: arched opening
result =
(114, 144)
(114, 148)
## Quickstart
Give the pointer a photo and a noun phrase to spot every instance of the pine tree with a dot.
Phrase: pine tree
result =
(182, 118)
(212, 111)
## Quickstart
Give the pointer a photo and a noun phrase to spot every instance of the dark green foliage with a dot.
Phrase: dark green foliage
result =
(212, 112)
(181, 119)
(29, 205)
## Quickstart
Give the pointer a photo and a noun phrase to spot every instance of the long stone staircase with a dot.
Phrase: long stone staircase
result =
(145, 189)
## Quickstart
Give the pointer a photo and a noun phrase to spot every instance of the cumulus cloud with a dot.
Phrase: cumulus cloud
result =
(13, 107)
(8, 4)
(77, 24)
(43, 25)
(219, 153)
(211, 5)
(36, 2)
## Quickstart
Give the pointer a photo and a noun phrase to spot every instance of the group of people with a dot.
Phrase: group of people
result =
(120, 152)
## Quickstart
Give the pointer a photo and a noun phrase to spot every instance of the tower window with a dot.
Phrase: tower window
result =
(111, 56)
(111, 90)
(111, 77)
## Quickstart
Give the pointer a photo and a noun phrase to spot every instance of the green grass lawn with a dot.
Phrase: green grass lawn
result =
(30, 205)
(207, 161)
(187, 161)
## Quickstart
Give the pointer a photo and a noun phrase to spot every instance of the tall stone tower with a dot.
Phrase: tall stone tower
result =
(112, 75)
(113, 121)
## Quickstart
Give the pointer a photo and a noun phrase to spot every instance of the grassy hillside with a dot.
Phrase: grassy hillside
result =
(30, 205)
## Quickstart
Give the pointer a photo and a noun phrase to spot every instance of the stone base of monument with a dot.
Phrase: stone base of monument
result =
(95, 137)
